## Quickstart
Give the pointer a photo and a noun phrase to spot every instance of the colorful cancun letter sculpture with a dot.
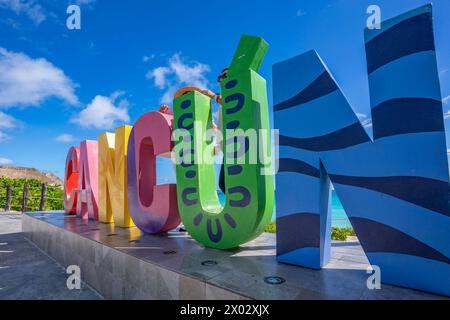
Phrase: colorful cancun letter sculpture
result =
(71, 180)
(395, 189)
(80, 180)
(153, 207)
(87, 205)
(112, 177)
(249, 193)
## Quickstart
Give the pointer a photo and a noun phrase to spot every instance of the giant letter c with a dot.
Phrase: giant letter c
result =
(153, 208)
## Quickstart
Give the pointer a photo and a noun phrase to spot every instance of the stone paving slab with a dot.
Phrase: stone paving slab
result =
(28, 273)
(127, 264)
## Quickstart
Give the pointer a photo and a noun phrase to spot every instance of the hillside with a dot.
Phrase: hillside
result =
(29, 173)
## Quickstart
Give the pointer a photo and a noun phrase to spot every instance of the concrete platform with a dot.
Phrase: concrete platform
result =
(28, 273)
(126, 264)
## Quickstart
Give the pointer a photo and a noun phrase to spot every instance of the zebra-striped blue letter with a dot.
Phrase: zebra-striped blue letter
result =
(394, 187)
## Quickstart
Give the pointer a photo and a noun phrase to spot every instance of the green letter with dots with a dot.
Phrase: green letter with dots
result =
(249, 184)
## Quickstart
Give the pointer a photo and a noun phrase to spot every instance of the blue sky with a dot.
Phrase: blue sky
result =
(60, 86)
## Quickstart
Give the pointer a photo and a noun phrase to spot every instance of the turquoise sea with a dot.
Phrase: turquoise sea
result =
(338, 217)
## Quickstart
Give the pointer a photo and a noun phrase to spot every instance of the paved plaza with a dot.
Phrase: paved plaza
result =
(28, 273)
(127, 264)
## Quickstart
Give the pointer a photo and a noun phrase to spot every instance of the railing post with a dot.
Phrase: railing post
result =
(43, 197)
(25, 197)
(8, 198)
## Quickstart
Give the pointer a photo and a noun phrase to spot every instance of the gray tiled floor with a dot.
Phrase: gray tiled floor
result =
(182, 274)
(28, 273)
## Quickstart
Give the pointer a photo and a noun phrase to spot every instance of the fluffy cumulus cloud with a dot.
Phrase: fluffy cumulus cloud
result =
(65, 137)
(103, 112)
(30, 8)
(178, 73)
(25, 81)
(5, 161)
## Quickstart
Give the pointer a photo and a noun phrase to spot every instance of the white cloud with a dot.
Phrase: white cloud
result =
(11, 23)
(148, 58)
(159, 76)
(116, 94)
(25, 81)
(4, 161)
(447, 115)
(300, 13)
(102, 113)
(448, 151)
(30, 8)
(65, 137)
(7, 122)
(446, 100)
(367, 123)
(443, 71)
(361, 116)
(4, 137)
(177, 74)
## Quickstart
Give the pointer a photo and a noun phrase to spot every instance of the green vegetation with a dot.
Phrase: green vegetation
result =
(54, 199)
(271, 228)
(339, 234)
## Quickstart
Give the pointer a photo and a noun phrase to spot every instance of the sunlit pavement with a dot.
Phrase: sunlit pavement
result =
(28, 273)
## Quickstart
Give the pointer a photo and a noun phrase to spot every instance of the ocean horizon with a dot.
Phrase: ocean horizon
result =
(339, 218)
